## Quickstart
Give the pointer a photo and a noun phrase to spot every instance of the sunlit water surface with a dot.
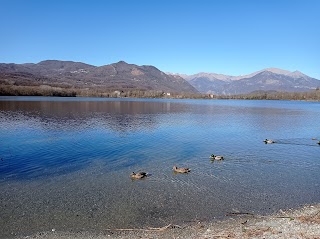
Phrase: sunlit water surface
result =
(65, 162)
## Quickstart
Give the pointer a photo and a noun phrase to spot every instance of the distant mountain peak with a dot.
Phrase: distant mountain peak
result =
(47, 61)
(122, 62)
(297, 74)
(263, 80)
(277, 71)
(56, 61)
(56, 64)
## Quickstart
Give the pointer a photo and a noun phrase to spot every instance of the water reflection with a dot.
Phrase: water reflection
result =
(66, 163)
(67, 135)
(119, 116)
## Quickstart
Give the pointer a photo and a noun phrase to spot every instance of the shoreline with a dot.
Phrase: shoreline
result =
(301, 223)
(71, 92)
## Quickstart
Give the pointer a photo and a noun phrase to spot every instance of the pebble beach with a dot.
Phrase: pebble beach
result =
(299, 223)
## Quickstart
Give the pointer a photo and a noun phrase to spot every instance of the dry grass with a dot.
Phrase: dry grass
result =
(310, 219)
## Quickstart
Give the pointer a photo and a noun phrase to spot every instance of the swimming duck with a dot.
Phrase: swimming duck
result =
(181, 170)
(216, 157)
(139, 175)
(268, 141)
(318, 142)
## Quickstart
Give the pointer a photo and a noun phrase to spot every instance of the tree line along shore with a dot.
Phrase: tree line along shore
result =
(46, 90)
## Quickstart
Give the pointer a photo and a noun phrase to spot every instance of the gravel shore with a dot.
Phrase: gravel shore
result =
(301, 223)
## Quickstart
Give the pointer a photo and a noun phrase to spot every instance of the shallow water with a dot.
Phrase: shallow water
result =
(65, 162)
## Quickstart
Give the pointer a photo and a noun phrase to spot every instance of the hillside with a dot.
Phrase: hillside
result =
(271, 79)
(117, 76)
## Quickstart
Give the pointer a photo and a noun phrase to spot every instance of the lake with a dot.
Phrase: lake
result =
(65, 162)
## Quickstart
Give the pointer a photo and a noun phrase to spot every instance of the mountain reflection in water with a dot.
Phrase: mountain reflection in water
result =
(66, 161)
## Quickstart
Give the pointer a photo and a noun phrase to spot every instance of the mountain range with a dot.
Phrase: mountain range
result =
(117, 76)
(270, 79)
(124, 76)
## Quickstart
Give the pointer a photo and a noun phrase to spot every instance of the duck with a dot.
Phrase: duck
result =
(269, 141)
(318, 142)
(181, 170)
(216, 157)
(138, 175)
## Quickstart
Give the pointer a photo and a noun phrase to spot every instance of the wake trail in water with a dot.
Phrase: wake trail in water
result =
(298, 141)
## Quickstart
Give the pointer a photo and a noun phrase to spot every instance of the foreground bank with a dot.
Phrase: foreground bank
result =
(295, 223)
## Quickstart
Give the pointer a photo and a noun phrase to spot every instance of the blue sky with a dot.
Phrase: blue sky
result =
(221, 36)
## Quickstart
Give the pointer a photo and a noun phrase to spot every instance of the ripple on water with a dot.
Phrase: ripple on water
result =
(69, 169)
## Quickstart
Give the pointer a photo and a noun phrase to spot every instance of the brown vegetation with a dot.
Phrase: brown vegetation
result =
(46, 90)
(308, 95)
(67, 91)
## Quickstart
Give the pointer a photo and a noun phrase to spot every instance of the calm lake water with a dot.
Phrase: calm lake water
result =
(65, 162)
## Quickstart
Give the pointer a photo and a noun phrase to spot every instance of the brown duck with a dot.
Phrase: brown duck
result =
(216, 157)
(139, 175)
(181, 170)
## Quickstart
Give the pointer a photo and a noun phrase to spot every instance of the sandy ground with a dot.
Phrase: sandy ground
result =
(301, 223)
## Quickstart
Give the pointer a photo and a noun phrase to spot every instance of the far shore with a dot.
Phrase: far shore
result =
(58, 91)
(294, 223)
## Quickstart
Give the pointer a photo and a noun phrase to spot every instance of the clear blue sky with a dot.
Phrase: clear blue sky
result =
(221, 36)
